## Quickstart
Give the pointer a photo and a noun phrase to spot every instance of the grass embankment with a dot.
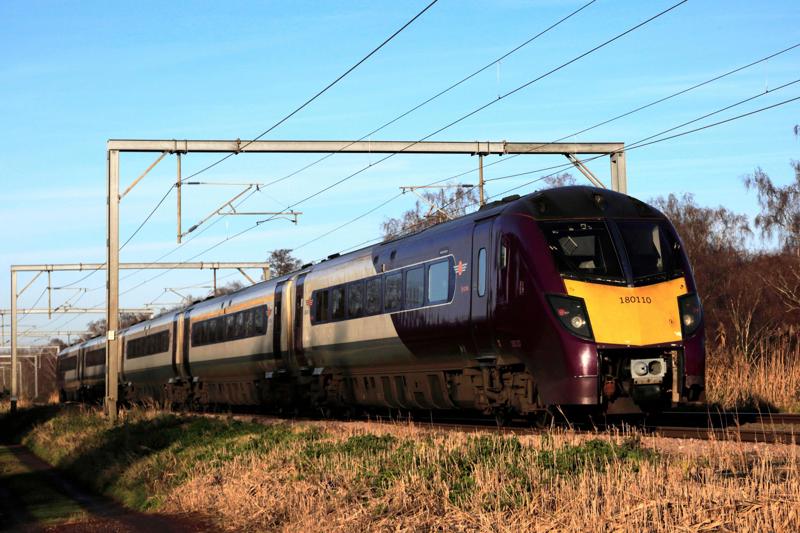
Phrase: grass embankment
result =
(322, 476)
(768, 377)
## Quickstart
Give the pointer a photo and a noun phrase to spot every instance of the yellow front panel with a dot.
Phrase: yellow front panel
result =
(634, 316)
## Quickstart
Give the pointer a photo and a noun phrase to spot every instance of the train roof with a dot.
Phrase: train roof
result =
(586, 202)
(576, 201)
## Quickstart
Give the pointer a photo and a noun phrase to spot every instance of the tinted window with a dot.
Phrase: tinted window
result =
(69, 363)
(238, 331)
(482, 272)
(415, 287)
(147, 345)
(321, 306)
(372, 304)
(393, 292)
(650, 250)
(439, 282)
(260, 320)
(229, 328)
(248, 322)
(582, 248)
(355, 299)
(337, 303)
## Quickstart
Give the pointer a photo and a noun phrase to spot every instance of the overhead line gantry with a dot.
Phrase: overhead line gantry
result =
(115, 147)
(77, 267)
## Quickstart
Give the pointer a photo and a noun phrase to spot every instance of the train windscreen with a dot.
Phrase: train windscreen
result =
(587, 249)
(651, 250)
(583, 249)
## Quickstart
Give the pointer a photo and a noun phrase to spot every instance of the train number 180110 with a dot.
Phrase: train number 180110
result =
(635, 300)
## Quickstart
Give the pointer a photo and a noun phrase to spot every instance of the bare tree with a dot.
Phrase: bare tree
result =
(780, 208)
(281, 262)
(434, 208)
(559, 180)
(97, 328)
(229, 288)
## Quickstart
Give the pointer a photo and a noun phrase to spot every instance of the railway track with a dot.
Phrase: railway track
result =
(768, 428)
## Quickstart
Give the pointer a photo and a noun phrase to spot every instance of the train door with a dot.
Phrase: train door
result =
(482, 290)
(183, 362)
(277, 321)
(79, 367)
(178, 352)
(299, 351)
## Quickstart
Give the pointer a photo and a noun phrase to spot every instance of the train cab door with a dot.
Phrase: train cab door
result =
(482, 291)
(298, 349)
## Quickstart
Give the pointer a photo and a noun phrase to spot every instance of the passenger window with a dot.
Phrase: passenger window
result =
(321, 306)
(393, 292)
(439, 282)
(230, 328)
(415, 287)
(239, 330)
(259, 320)
(337, 303)
(482, 272)
(355, 299)
(373, 296)
(248, 323)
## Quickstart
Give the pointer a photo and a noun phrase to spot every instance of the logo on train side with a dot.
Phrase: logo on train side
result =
(460, 267)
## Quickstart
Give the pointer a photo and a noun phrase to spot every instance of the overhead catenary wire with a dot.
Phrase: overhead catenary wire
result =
(424, 103)
(286, 117)
(437, 95)
(638, 143)
(635, 145)
(635, 110)
(443, 128)
(319, 93)
(509, 157)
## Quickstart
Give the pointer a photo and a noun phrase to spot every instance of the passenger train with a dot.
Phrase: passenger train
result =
(575, 297)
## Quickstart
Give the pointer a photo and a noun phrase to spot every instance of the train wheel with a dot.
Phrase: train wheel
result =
(502, 417)
(542, 419)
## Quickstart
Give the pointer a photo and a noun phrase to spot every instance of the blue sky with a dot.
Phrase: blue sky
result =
(74, 74)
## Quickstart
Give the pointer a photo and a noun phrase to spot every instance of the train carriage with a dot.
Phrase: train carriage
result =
(576, 297)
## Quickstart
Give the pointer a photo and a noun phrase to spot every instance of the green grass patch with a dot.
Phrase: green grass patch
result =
(35, 497)
(140, 460)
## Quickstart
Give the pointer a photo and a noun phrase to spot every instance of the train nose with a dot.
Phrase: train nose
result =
(632, 316)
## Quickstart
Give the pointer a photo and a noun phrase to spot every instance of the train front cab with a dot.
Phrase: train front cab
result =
(627, 289)
(622, 304)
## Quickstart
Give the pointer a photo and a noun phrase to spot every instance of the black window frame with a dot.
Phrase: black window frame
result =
(260, 319)
(379, 309)
(395, 274)
(320, 301)
(334, 316)
(406, 273)
(68, 363)
(450, 281)
(150, 344)
(351, 287)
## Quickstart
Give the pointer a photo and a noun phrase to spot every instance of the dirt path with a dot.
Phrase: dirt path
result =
(34, 496)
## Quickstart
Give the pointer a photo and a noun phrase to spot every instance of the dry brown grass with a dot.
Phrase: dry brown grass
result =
(509, 485)
(769, 377)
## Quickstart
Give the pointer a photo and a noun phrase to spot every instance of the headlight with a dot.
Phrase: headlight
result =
(655, 367)
(571, 312)
(691, 314)
(639, 368)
